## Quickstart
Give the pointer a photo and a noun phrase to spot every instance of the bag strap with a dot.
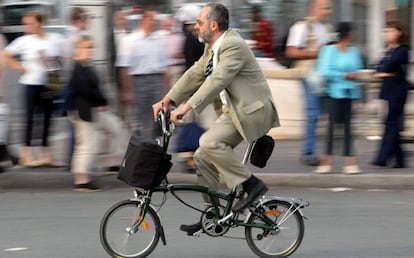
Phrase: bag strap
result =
(310, 35)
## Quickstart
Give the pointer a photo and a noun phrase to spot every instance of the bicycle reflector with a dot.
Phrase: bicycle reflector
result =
(143, 223)
(273, 212)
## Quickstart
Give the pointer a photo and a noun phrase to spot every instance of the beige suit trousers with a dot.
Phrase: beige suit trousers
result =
(215, 158)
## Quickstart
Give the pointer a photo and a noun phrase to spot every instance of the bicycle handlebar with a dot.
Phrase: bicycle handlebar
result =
(167, 126)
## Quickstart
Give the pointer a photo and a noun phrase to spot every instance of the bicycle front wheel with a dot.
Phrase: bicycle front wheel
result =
(120, 240)
(282, 241)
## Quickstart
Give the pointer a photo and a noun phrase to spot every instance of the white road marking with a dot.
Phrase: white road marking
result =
(16, 249)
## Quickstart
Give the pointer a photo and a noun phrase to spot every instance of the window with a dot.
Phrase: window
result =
(12, 14)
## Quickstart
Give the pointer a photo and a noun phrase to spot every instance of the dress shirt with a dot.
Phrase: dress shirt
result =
(145, 54)
(215, 48)
(119, 37)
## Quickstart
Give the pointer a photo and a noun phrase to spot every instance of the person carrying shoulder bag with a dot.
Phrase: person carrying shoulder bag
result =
(303, 43)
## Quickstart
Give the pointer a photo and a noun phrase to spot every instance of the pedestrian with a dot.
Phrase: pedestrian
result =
(79, 21)
(77, 28)
(192, 127)
(4, 110)
(36, 49)
(227, 72)
(86, 102)
(175, 38)
(193, 49)
(262, 34)
(392, 69)
(304, 40)
(339, 64)
(120, 32)
(143, 70)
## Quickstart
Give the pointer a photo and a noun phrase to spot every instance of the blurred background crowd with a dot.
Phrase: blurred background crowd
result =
(169, 46)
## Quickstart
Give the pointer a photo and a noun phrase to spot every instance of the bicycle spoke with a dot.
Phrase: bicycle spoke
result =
(124, 233)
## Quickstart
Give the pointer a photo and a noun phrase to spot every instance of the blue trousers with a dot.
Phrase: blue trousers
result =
(391, 140)
(312, 111)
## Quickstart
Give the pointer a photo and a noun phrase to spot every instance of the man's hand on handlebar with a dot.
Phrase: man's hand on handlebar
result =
(175, 115)
(178, 113)
(164, 103)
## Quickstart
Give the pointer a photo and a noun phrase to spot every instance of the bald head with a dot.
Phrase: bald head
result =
(319, 9)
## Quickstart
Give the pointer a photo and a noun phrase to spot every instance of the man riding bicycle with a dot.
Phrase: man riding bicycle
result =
(228, 74)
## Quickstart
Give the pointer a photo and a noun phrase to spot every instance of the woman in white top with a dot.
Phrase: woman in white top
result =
(34, 48)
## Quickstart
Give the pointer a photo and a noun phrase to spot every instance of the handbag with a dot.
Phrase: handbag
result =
(188, 137)
(316, 82)
(53, 87)
(145, 163)
(54, 84)
(262, 151)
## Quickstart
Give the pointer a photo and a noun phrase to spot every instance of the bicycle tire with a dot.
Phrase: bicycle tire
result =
(278, 243)
(116, 238)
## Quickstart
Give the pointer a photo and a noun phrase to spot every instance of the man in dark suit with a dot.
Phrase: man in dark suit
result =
(228, 70)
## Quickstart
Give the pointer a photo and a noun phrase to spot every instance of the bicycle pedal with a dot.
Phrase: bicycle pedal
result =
(196, 234)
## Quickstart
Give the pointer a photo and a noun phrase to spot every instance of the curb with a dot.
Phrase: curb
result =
(361, 181)
(52, 180)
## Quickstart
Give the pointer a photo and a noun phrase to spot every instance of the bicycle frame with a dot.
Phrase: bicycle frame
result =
(228, 218)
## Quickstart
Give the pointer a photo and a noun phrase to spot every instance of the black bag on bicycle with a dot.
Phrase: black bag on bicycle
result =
(262, 151)
(145, 163)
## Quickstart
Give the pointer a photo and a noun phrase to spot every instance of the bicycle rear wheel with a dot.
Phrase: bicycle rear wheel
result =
(281, 242)
(117, 237)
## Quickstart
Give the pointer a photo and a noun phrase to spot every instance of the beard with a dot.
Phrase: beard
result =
(205, 37)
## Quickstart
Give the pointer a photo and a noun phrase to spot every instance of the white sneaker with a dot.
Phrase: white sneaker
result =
(352, 169)
(323, 169)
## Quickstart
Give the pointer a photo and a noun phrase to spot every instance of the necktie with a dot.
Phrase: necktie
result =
(209, 68)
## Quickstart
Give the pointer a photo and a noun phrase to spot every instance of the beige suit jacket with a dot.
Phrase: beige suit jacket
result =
(249, 101)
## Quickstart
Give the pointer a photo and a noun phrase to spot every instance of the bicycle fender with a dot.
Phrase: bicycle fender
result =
(160, 228)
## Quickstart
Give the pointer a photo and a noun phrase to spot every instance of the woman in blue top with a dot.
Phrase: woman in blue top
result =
(394, 89)
(339, 64)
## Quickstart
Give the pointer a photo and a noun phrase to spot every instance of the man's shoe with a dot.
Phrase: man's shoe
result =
(86, 188)
(191, 229)
(310, 160)
(252, 194)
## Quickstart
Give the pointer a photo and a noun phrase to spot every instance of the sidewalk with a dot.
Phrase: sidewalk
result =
(283, 169)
